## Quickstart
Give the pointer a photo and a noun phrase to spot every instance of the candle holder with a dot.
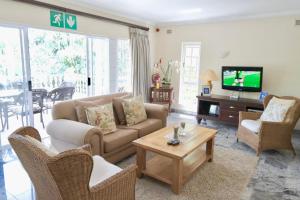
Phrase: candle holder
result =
(175, 140)
(176, 133)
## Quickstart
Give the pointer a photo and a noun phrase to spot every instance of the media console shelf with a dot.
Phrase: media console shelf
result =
(225, 109)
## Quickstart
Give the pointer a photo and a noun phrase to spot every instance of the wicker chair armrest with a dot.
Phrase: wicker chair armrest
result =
(118, 187)
(30, 131)
(249, 115)
(156, 111)
(275, 128)
(86, 147)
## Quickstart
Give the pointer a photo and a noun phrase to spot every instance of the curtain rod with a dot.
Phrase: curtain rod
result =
(77, 12)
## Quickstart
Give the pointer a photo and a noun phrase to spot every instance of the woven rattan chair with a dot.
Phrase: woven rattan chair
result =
(66, 176)
(270, 135)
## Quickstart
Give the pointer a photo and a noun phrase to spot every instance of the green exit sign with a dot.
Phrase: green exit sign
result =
(63, 20)
(57, 19)
(70, 21)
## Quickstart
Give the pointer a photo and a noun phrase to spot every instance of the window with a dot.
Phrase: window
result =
(100, 66)
(111, 69)
(189, 75)
(124, 72)
(54, 61)
(58, 59)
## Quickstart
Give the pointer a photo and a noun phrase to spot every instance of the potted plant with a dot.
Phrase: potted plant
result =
(167, 71)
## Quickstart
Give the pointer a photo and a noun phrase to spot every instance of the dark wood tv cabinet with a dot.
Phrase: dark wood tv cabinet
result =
(226, 109)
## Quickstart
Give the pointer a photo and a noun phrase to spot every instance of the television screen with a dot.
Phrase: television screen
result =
(242, 78)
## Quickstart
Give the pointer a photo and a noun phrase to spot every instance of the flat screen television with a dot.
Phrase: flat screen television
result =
(239, 78)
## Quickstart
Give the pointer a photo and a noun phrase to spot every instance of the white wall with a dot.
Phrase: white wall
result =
(273, 43)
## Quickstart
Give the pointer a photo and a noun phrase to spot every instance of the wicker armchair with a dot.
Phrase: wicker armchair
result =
(270, 135)
(66, 176)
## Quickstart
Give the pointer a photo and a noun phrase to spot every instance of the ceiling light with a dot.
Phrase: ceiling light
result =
(191, 11)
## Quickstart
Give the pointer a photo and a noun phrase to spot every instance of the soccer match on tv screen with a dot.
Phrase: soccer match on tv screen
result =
(242, 78)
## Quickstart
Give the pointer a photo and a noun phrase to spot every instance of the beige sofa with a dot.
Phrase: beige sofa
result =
(66, 132)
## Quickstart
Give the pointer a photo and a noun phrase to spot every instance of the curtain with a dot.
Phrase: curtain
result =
(140, 59)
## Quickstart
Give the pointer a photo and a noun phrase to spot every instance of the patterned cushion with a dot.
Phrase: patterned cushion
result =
(117, 103)
(276, 110)
(103, 117)
(80, 107)
(134, 110)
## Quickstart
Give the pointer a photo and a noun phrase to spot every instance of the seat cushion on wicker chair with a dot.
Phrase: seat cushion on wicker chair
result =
(102, 170)
(252, 125)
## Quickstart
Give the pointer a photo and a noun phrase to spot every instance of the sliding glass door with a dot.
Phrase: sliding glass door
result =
(58, 60)
(100, 65)
(39, 68)
(124, 71)
(14, 94)
(110, 66)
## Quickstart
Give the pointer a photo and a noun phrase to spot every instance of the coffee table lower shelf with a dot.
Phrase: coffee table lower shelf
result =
(163, 168)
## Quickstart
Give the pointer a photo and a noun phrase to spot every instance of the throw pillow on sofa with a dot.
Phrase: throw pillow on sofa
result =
(102, 117)
(117, 103)
(134, 110)
(277, 110)
(80, 107)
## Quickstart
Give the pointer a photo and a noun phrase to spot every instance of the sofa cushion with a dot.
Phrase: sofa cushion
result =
(252, 125)
(118, 138)
(118, 107)
(80, 107)
(146, 127)
(102, 170)
(66, 109)
(134, 110)
(102, 117)
(277, 109)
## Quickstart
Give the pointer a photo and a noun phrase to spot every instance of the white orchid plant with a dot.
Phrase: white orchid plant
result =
(167, 71)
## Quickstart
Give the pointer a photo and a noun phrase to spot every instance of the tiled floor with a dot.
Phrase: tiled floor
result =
(15, 184)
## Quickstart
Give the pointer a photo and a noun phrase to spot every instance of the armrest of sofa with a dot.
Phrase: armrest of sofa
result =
(157, 112)
(76, 133)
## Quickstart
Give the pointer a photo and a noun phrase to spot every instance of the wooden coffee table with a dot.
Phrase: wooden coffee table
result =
(174, 164)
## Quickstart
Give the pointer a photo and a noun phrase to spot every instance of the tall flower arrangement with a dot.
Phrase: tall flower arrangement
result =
(167, 71)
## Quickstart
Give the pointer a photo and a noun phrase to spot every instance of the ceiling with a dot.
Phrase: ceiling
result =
(161, 12)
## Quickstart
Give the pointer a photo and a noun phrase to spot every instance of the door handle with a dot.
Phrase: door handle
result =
(30, 86)
(89, 81)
